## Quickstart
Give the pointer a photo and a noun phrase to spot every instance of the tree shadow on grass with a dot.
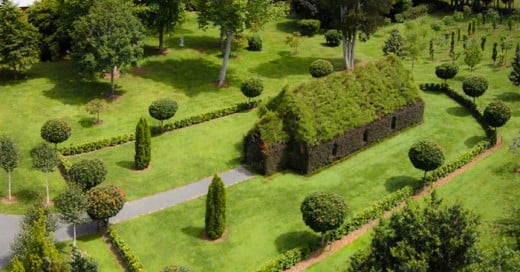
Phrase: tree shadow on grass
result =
(457, 111)
(196, 232)
(294, 239)
(472, 141)
(509, 97)
(130, 165)
(289, 64)
(397, 182)
(287, 26)
(27, 196)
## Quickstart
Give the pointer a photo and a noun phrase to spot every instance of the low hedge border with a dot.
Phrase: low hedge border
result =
(121, 139)
(293, 256)
(132, 262)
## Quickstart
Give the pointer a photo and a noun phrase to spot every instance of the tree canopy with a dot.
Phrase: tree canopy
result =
(104, 202)
(426, 155)
(9, 156)
(163, 16)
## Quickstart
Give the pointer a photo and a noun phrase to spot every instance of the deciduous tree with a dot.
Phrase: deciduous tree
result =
(45, 159)
(72, 205)
(96, 106)
(87, 174)
(162, 16)
(215, 221)
(472, 55)
(9, 156)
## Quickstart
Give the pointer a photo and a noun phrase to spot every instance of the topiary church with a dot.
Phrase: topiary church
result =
(314, 124)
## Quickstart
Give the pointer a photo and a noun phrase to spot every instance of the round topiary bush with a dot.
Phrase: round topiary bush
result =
(475, 86)
(87, 174)
(55, 131)
(426, 155)
(254, 43)
(333, 37)
(497, 114)
(320, 68)
(104, 202)
(252, 87)
(163, 109)
(446, 71)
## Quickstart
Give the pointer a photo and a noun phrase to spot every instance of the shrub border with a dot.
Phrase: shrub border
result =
(291, 257)
(125, 138)
(132, 262)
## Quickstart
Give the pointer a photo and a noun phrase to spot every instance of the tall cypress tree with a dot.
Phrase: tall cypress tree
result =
(216, 209)
(143, 145)
(514, 77)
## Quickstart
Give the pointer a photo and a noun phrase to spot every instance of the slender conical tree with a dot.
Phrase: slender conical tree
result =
(514, 77)
(143, 145)
(216, 209)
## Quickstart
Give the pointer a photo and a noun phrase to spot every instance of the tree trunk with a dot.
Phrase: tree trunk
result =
(47, 187)
(112, 79)
(221, 39)
(161, 39)
(74, 234)
(223, 69)
(349, 44)
(9, 185)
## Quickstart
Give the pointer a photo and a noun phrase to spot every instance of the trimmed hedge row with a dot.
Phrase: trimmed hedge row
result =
(64, 166)
(121, 139)
(291, 257)
(132, 262)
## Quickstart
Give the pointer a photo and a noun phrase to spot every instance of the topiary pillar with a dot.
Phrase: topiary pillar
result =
(143, 145)
(215, 209)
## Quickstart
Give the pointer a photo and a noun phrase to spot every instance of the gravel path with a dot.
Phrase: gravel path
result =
(9, 224)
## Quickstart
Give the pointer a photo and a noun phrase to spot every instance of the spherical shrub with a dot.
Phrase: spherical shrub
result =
(55, 131)
(333, 37)
(320, 68)
(323, 211)
(254, 43)
(446, 71)
(309, 27)
(497, 114)
(475, 86)
(252, 87)
(88, 173)
(426, 155)
(104, 202)
(163, 109)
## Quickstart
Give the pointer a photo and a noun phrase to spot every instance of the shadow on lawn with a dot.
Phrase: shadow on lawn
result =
(472, 141)
(289, 64)
(508, 97)
(457, 111)
(196, 232)
(126, 164)
(287, 26)
(397, 182)
(294, 239)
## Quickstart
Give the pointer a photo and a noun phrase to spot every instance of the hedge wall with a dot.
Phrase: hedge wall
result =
(132, 262)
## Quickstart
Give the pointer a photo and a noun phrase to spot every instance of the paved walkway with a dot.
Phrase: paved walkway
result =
(9, 224)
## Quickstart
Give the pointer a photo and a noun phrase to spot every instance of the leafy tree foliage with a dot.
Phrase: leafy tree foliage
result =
(96, 106)
(163, 109)
(333, 37)
(426, 155)
(163, 16)
(87, 174)
(44, 15)
(472, 55)
(414, 42)
(500, 258)
(143, 145)
(252, 87)
(514, 76)
(104, 202)
(394, 43)
(497, 114)
(55, 131)
(254, 43)
(81, 263)
(294, 41)
(215, 220)
(72, 205)
(19, 46)
(446, 71)
(475, 86)
(433, 238)
(45, 159)
(323, 211)
(9, 156)
(109, 36)
(37, 251)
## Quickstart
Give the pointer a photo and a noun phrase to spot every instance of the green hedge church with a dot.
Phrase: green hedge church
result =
(314, 124)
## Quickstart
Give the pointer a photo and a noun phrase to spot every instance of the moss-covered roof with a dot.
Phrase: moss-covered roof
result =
(323, 108)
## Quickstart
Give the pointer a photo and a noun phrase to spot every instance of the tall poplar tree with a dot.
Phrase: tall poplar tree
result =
(143, 145)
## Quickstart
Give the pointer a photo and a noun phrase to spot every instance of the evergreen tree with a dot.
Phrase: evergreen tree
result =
(483, 43)
(394, 43)
(495, 53)
(514, 77)
(432, 50)
(215, 209)
(458, 34)
(143, 145)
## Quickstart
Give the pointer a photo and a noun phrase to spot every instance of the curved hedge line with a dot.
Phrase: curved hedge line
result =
(132, 262)
(291, 257)
(121, 139)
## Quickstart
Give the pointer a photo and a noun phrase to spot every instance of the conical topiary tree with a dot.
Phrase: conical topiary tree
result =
(514, 77)
(143, 145)
(216, 209)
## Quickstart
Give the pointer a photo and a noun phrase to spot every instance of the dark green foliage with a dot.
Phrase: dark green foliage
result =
(497, 113)
(215, 221)
(431, 50)
(19, 46)
(500, 258)
(446, 71)
(143, 145)
(163, 109)
(82, 263)
(426, 155)
(71, 204)
(162, 16)
(104, 202)
(252, 87)
(55, 131)
(514, 76)
(176, 268)
(9, 156)
(475, 86)
(254, 43)
(320, 68)
(394, 43)
(333, 37)
(132, 262)
(44, 158)
(483, 43)
(433, 238)
(458, 34)
(309, 27)
(495, 53)
(88, 173)
(323, 211)
(44, 15)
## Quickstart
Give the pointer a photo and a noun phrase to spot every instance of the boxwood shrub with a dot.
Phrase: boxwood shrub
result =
(333, 37)
(309, 27)
(320, 68)
(132, 262)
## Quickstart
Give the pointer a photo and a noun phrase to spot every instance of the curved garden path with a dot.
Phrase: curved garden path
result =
(353, 236)
(9, 224)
